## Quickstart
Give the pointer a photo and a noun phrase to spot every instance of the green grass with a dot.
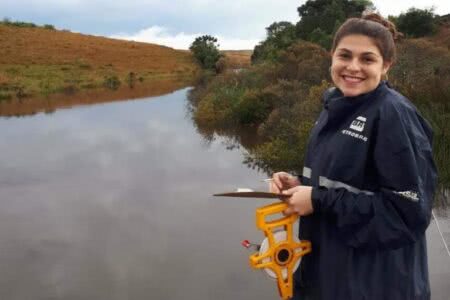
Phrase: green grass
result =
(38, 80)
(8, 22)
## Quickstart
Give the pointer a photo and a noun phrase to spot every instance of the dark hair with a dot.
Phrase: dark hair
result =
(372, 25)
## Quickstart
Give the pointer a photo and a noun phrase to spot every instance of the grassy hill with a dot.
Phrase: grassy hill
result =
(40, 61)
(238, 59)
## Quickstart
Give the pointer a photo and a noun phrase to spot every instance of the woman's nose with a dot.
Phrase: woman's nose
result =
(353, 65)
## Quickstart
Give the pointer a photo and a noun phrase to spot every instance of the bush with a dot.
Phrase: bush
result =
(416, 22)
(206, 51)
(221, 65)
(305, 62)
(111, 82)
(280, 35)
(253, 108)
(8, 22)
(5, 95)
(422, 73)
(48, 26)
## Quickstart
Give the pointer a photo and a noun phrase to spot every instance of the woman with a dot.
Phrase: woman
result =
(368, 181)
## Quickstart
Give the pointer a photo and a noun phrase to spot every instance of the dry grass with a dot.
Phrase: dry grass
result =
(27, 46)
(238, 59)
(39, 61)
(442, 38)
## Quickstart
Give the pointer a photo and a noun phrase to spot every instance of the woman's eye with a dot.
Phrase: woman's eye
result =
(345, 56)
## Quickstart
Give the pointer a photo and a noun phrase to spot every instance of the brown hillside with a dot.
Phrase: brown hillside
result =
(237, 59)
(24, 46)
(38, 61)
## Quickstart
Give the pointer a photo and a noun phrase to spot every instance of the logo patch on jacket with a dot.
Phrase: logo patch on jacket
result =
(358, 126)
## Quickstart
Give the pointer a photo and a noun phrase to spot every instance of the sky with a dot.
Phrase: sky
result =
(176, 23)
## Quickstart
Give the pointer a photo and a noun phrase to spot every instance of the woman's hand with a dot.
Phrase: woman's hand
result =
(300, 201)
(283, 181)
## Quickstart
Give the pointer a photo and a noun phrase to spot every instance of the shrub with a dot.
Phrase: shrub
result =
(221, 65)
(5, 95)
(111, 82)
(280, 35)
(206, 51)
(416, 22)
(253, 108)
(306, 62)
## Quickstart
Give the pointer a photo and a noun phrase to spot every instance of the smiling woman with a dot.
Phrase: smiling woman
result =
(368, 180)
(357, 65)
(362, 54)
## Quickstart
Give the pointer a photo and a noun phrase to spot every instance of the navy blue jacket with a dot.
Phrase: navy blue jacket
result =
(369, 160)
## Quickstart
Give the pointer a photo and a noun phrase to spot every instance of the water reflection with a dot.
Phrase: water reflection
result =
(113, 202)
(49, 104)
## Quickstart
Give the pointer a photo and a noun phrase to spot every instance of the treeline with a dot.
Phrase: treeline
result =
(8, 22)
(279, 96)
(319, 20)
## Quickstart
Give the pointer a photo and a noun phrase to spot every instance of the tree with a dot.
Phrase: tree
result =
(416, 22)
(206, 50)
(319, 19)
(280, 35)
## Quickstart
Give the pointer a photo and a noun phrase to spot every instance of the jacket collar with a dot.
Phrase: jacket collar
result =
(339, 106)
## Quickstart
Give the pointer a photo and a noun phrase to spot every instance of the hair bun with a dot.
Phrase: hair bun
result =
(374, 17)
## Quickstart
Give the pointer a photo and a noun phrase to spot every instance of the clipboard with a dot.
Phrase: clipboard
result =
(254, 194)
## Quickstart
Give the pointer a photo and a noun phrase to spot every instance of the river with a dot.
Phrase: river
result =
(114, 201)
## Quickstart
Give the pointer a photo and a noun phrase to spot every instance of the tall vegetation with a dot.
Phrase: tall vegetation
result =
(206, 50)
(8, 22)
(279, 101)
(280, 35)
(319, 19)
(416, 22)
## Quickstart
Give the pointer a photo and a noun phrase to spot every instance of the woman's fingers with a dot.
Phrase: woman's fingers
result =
(288, 211)
(299, 202)
(274, 188)
(282, 180)
(277, 181)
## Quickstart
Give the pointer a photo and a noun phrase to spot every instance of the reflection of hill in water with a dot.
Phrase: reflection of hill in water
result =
(30, 106)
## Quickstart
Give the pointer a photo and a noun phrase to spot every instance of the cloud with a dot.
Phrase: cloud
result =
(164, 36)
(234, 22)
(401, 6)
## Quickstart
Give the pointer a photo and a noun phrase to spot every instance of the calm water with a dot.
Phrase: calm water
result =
(113, 201)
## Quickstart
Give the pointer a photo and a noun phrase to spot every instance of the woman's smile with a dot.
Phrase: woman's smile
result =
(352, 79)
(357, 65)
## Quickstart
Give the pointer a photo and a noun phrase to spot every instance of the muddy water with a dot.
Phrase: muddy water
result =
(113, 201)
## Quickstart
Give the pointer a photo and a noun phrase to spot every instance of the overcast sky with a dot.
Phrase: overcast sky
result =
(175, 23)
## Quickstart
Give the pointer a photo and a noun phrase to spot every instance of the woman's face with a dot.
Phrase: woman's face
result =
(357, 65)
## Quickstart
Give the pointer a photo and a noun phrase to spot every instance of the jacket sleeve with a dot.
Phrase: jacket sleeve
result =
(399, 211)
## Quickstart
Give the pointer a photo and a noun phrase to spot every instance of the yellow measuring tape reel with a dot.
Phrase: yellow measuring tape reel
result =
(280, 252)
